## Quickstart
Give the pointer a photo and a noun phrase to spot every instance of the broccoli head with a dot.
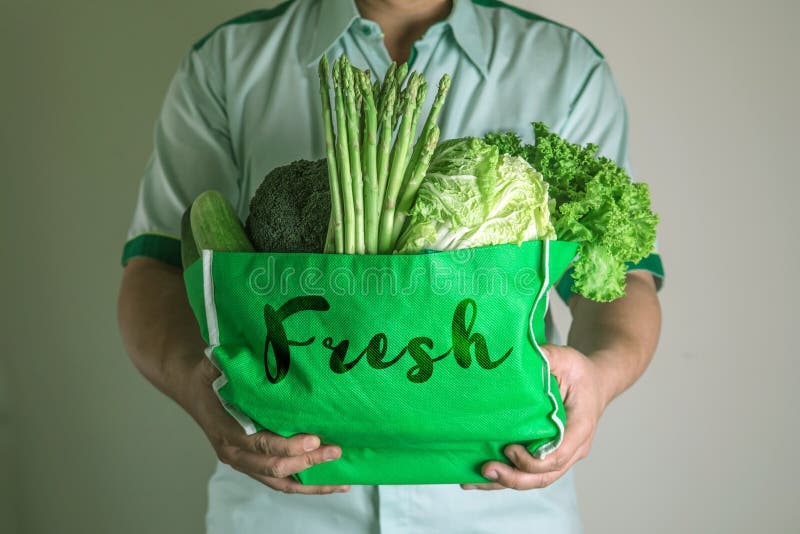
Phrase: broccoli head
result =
(291, 208)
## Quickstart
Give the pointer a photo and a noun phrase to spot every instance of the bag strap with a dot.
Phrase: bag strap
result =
(544, 296)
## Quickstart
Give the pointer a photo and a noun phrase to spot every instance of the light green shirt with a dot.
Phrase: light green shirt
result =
(245, 99)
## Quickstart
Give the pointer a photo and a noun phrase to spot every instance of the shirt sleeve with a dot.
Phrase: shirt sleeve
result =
(598, 115)
(192, 153)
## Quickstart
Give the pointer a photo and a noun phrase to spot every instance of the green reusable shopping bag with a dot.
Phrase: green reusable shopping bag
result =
(421, 367)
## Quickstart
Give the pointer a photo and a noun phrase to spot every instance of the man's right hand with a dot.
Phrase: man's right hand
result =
(163, 340)
(264, 456)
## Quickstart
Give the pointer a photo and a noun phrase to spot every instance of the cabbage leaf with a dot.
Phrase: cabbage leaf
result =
(474, 196)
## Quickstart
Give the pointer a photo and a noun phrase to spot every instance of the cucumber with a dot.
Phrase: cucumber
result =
(189, 252)
(215, 225)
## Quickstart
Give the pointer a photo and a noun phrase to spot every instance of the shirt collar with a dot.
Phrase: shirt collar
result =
(336, 17)
(470, 36)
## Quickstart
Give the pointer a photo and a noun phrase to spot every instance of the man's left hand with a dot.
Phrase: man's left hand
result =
(582, 389)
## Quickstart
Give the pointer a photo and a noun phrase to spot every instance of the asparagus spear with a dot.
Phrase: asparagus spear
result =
(387, 88)
(399, 160)
(418, 170)
(330, 238)
(376, 91)
(369, 159)
(343, 158)
(357, 96)
(430, 122)
(421, 92)
(399, 80)
(353, 141)
(336, 221)
(385, 144)
(361, 111)
(402, 72)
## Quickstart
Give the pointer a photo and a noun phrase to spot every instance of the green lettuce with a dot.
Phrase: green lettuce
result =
(597, 204)
(474, 196)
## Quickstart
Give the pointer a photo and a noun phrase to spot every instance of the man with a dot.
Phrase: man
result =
(245, 100)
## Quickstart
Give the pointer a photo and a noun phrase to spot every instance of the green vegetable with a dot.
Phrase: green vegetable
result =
(290, 209)
(337, 215)
(375, 167)
(385, 143)
(420, 157)
(369, 165)
(596, 204)
(387, 89)
(189, 252)
(397, 167)
(430, 123)
(418, 168)
(399, 80)
(215, 225)
(330, 239)
(471, 196)
(599, 205)
(343, 159)
(353, 121)
(508, 143)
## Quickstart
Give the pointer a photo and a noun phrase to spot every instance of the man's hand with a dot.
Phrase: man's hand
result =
(163, 340)
(610, 346)
(580, 383)
(265, 456)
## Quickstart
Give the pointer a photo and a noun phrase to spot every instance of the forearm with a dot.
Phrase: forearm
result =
(158, 328)
(619, 336)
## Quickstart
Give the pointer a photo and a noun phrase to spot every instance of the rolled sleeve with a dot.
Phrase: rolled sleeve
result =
(192, 153)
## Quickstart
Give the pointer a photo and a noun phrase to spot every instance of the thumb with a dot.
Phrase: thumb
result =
(552, 353)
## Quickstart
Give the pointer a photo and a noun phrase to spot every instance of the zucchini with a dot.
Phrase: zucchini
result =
(215, 225)
(189, 252)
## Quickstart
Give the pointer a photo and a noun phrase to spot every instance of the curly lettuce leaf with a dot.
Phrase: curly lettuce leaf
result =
(599, 205)
(596, 203)
(598, 274)
(507, 143)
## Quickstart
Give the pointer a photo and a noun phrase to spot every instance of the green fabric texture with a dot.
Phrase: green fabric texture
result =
(421, 367)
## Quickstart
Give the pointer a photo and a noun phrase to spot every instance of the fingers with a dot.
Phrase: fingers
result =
(272, 460)
(208, 372)
(579, 386)
(558, 460)
(283, 466)
(272, 444)
(510, 477)
(485, 487)
(529, 472)
(264, 456)
(557, 360)
(291, 486)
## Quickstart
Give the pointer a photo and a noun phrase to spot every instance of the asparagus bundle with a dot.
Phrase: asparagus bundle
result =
(374, 166)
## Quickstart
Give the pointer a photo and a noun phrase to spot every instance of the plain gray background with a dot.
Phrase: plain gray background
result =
(704, 442)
